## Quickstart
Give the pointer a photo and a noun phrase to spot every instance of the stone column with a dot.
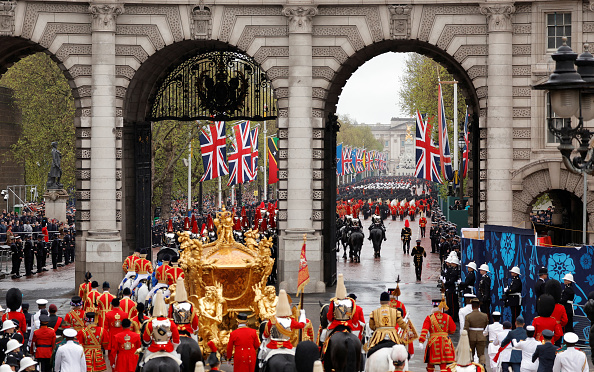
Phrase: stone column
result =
(103, 244)
(499, 113)
(300, 155)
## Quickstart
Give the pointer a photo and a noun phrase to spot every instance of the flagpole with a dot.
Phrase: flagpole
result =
(189, 177)
(265, 163)
(456, 126)
(220, 193)
(233, 195)
(301, 299)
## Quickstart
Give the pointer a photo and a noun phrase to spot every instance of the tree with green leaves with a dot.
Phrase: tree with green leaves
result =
(356, 135)
(45, 100)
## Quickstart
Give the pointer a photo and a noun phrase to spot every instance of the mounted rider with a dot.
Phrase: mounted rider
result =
(279, 328)
(128, 264)
(383, 322)
(143, 268)
(377, 222)
(341, 310)
(162, 334)
(182, 311)
(174, 272)
(161, 276)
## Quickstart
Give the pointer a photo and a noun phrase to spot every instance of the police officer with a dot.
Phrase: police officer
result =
(567, 297)
(484, 290)
(16, 249)
(418, 253)
(539, 287)
(514, 294)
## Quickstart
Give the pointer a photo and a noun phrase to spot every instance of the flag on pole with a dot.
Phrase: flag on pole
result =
(444, 142)
(303, 275)
(213, 146)
(347, 161)
(240, 160)
(426, 154)
(339, 160)
(467, 146)
(354, 160)
(254, 154)
(272, 160)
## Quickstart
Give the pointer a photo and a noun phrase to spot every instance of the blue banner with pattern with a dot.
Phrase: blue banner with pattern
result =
(506, 247)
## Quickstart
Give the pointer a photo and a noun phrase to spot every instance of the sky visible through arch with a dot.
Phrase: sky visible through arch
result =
(370, 95)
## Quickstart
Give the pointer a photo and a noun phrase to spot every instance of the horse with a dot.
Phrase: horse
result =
(306, 353)
(344, 240)
(343, 353)
(161, 364)
(381, 361)
(189, 352)
(376, 235)
(126, 283)
(356, 242)
(141, 291)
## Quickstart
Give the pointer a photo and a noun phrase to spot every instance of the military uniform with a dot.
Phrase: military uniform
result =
(113, 326)
(405, 236)
(452, 276)
(129, 307)
(567, 297)
(184, 315)
(103, 306)
(124, 346)
(514, 298)
(423, 226)
(242, 347)
(440, 350)
(484, 293)
(383, 321)
(92, 339)
(418, 253)
(143, 268)
(475, 323)
(75, 319)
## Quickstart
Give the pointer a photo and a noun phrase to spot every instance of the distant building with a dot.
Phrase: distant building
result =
(401, 155)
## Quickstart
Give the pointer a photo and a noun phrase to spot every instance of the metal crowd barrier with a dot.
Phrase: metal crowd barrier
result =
(582, 326)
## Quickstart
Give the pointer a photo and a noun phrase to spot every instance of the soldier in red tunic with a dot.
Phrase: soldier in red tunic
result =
(242, 346)
(358, 319)
(85, 287)
(130, 260)
(14, 300)
(161, 332)
(92, 339)
(44, 340)
(341, 309)
(143, 268)
(75, 317)
(124, 346)
(127, 304)
(113, 326)
(182, 311)
(545, 305)
(103, 304)
(174, 272)
(279, 328)
(91, 298)
(438, 326)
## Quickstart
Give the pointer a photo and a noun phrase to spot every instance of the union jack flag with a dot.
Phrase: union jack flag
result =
(339, 160)
(254, 154)
(360, 160)
(467, 146)
(213, 146)
(444, 142)
(347, 164)
(240, 160)
(354, 160)
(382, 161)
(427, 155)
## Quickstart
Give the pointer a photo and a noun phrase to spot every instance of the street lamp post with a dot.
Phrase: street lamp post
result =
(571, 93)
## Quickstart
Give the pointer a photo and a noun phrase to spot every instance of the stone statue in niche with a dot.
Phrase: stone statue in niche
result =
(55, 173)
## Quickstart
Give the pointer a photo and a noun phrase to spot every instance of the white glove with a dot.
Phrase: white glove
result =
(421, 346)
(302, 318)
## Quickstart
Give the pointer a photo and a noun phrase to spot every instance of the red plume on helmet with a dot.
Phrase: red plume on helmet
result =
(194, 226)
(209, 223)
(263, 225)
(187, 224)
(236, 224)
(245, 222)
(262, 206)
(170, 226)
(243, 214)
(192, 221)
(377, 212)
(271, 221)
(406, 223)
(258, 215)
(204, 231)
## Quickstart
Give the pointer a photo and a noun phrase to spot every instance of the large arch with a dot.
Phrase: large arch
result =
(336, 85)
(139, 97)
(545, 176)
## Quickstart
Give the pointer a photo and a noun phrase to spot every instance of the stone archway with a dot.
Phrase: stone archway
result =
(537, 178)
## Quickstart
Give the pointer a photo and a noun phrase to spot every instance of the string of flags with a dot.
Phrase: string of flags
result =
(352, 160)
(241, 163)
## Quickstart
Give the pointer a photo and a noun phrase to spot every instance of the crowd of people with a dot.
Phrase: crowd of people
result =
(543, 217)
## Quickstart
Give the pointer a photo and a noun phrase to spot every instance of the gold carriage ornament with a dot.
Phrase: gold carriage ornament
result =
(226, 277)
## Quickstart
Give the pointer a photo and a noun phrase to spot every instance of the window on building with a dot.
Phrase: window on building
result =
(557, 122)
(387, 144)
(558, 26)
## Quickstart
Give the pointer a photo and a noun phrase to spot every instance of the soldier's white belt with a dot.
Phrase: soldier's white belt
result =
(570, 302)
(515, 294)
(476, 329)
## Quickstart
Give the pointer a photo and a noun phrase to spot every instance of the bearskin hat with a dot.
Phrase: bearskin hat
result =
(14, 299)
(553, 288)
(545, 305)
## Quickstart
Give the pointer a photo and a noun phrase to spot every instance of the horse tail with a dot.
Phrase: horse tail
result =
(352, 364)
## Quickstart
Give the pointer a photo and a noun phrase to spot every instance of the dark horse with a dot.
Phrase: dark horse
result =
(356, 242)
(344, 240)
(190, 353)
(376, 235)
(343, 353)
(161, 364)
(280, 363)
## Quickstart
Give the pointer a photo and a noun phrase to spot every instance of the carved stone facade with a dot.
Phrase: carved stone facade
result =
(308, 51)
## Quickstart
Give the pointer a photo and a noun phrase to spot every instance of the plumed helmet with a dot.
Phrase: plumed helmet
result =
(282, 306)
(463, 353)
(545, 305)
(180, 290)
(399, 354)
(160, 308)
(14, 299)
(212, 357)
(341, 292)
(553, 288)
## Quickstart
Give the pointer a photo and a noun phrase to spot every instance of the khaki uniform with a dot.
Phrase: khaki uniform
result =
(475, 323)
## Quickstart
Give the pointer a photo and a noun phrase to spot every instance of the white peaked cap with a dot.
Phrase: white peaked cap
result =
(341, 292)
(282, 306)
(472, 265)
(159, 307)
(180, 290)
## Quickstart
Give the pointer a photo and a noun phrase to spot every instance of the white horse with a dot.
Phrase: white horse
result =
(152, 295)
(381, 361)
(142, 291)
(126, 283)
